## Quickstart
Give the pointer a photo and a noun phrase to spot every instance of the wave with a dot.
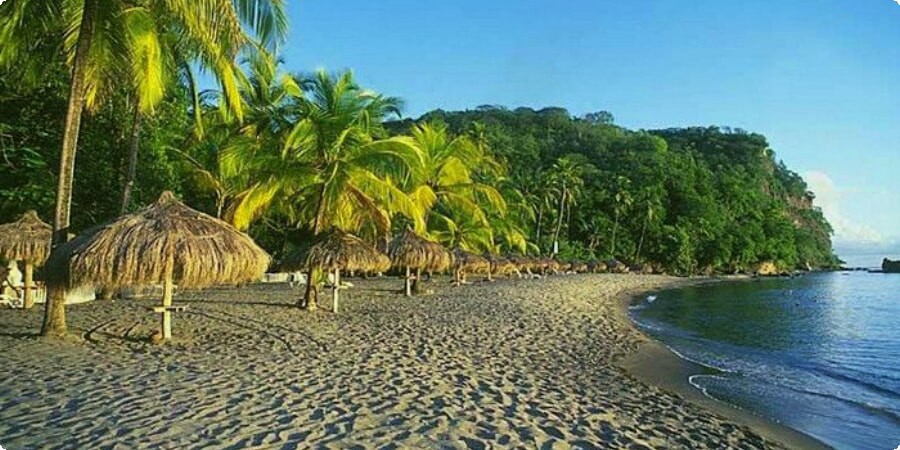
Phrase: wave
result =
(876, 409)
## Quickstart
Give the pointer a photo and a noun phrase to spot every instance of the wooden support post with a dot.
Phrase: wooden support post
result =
(167, 300)
(415, 281)
(29, 285)
(408, 283)
(337, 287)
(166, 314)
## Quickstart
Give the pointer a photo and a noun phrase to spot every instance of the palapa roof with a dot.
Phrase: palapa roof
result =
(464, 260)
(413, 251)
(134, 250)
(338, 250)
(27, 239)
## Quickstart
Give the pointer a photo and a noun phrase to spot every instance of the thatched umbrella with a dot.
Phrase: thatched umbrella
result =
(465, 262)
(504, 266)
(336, 251)
(26, 240)
(413, 252)
(167, 243)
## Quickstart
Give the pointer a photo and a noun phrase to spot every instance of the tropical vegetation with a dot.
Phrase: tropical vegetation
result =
(289, 157)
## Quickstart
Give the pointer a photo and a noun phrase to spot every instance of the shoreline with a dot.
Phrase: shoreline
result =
(508, 363)
(656, 364)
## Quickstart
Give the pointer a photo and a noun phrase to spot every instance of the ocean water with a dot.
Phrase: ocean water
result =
(818, 353)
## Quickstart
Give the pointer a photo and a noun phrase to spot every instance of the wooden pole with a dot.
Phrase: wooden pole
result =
(337, 286)
(415, 281)
(167, 301)
(29, 285)
(408, 283)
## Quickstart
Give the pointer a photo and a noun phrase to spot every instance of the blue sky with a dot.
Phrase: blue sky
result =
(820, 78)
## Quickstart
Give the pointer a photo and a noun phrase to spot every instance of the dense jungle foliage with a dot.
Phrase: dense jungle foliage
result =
(490, 180)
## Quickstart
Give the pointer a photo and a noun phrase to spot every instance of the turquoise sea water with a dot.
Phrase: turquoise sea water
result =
(819, 353)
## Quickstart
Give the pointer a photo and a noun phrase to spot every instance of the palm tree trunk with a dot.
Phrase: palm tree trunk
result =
(55, 308)
(133, 147)
(559, 221)
(220, 204)
(195, 99)
(612, 245)
(637, 254)
(540, 218)
(309, 298)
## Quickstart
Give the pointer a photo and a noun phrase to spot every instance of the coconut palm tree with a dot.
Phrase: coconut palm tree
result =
(99, 38)
(449, 186)
(537, 195)
(622, 203)
(565, 176)
(331, 168)
(651, 204)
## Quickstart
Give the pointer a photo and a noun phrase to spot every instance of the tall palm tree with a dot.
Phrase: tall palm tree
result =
(537, 194)
(448, 184)
(622, 203)
(651, 203)
(566, 181)
(98, 38)
(331, 168)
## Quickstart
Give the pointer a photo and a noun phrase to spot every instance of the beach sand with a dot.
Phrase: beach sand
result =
(508, 364)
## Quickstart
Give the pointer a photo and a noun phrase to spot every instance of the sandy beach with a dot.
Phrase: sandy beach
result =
(506, 364)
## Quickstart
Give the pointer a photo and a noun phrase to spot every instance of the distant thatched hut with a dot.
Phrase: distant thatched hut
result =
(165, 243)
(579, 267)
(504, 267)
(335, 251)
(26, 240)
(465, 263)
(410, 251)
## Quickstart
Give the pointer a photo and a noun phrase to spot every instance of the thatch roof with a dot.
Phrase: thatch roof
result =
(134, 250)
(338, 250)
(463, 260)
(27, 239)
(415, 252)
(503, 266)
(522, 262)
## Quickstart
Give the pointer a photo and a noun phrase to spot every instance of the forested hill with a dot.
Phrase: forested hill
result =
(692, 200)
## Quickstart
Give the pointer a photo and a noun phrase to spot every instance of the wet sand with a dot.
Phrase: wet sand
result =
(506, 364)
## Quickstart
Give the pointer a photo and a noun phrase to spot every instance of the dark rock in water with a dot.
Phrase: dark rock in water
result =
(888, 266)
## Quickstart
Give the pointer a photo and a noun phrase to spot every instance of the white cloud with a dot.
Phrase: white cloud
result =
(829, 197)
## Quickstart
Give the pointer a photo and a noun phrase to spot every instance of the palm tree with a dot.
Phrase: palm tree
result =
(99, 41)
(537, 194)
(330, 169)
(566, 181)
(622, 202)
(449, 185)
(650, 202)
